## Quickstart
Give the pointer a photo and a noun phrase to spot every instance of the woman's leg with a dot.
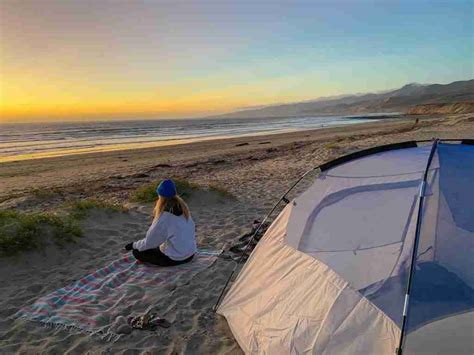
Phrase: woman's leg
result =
(147, 256)
(156, 257)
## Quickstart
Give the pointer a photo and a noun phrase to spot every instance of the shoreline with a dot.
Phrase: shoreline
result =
(159, 142)
(98, 165)
(143, 146)
(67, 170)
(188, 141)
(18, 178)
(218, 117)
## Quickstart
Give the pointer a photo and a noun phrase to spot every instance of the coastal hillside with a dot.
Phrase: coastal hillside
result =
(405, 100)
(441, 109)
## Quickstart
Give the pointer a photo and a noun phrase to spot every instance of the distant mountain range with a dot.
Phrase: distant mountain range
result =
(404, 100)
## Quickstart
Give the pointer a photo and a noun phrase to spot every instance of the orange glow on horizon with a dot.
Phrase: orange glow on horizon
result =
(26, 100)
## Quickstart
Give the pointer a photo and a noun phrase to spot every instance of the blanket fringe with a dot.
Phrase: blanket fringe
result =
(101, 334)
(104, 332)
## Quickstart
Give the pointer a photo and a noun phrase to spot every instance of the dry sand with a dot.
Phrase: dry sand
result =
(256, 170)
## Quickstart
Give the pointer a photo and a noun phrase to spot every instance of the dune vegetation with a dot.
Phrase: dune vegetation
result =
(22, 231)
(81, 208)
(147, 192)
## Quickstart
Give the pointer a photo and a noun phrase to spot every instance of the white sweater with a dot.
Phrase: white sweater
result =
(175, 236)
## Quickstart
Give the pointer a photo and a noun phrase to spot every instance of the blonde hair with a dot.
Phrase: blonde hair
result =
(164, 203)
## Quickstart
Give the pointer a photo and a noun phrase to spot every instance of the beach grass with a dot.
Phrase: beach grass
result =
(21, 231)
(81, 208)
(147, 193)
(185, 188)
(331, 145)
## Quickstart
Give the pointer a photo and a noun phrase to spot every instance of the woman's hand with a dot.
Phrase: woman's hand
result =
(128, 247)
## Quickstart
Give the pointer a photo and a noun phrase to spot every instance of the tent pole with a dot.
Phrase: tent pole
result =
(415, 246)
(282, 198)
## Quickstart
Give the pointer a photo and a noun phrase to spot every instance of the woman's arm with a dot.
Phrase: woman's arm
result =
(155, 236)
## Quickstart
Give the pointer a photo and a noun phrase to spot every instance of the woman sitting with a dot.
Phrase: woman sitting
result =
(171, 238)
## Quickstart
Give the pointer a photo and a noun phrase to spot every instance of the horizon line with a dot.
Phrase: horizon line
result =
(128, 116)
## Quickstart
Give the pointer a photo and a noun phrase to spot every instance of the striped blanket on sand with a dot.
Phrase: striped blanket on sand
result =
(92, 303)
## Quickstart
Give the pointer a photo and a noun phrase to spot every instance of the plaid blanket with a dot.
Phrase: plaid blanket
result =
(92, 303)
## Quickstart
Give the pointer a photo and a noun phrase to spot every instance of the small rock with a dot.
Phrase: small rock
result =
(120, 320)
(216, 162)
(124, 329)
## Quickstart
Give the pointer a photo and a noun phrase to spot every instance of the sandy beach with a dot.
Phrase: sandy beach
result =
(253, 172)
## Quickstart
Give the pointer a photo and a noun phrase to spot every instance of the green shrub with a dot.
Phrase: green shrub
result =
(26, 231)
(147, 193)
(331, 145)
(186, 188)
(80, 209)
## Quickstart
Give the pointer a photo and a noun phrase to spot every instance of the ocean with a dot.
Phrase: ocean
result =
(19, 141)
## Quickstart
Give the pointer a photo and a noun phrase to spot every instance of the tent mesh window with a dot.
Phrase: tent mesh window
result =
(359, 219)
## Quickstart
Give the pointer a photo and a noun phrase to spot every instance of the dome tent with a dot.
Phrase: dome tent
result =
(375, 257)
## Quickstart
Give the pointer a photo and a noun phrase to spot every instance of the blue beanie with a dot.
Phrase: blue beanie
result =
(166, 188)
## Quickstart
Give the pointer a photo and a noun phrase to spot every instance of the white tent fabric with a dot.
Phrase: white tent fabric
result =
(286, 302)
(331, 273)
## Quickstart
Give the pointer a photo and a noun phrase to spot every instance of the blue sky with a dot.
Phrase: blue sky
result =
(189, 58)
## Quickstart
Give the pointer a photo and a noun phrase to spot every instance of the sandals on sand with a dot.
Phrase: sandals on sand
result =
(148, 321)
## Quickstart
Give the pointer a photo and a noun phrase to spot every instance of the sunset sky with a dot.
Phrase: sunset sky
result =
(134, 59)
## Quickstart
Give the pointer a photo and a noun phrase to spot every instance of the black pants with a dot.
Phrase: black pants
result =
(155, 256)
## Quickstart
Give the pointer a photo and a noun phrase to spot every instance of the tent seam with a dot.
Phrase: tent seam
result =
(347, 284)
(327, 313)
